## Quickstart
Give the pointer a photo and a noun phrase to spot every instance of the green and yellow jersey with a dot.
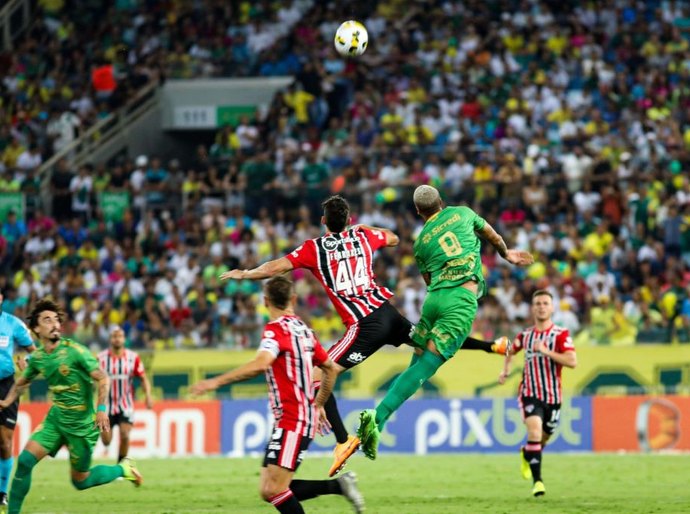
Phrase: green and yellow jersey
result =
(68, 372)
(448, 248)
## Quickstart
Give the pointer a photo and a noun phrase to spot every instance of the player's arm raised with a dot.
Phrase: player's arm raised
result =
(391, 238)
(260, 364)
(102, 381)
(517, 257)
(15, 391)
(266, 270)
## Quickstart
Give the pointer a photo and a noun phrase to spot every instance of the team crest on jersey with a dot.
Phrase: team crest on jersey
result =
(269, 334)
(330, 243)
(62, 353)
(64, 370)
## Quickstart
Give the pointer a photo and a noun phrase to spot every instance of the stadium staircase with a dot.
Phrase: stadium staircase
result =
(103, 140)
(15, 18)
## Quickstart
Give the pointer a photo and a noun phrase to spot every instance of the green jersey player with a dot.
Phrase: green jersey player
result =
(71, 371)
(447, 253)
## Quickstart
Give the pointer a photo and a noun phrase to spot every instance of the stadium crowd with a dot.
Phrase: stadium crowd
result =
(565, 124)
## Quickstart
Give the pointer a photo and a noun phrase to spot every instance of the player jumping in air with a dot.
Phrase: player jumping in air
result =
(287, 355)
(447, 253)
(548, 348)
(342, 261)
(71, 371)
(122, 365)
(12, 331)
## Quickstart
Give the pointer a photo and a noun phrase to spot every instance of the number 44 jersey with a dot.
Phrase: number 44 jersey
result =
(343, 263)
(448, 248)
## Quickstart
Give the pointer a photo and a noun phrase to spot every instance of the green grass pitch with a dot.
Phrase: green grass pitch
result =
(621, 484)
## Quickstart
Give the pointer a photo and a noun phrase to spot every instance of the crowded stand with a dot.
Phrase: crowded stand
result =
(565, 124)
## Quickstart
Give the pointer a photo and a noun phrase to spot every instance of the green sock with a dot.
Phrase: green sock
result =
(99, 475)
(21, 482)
(419, 371)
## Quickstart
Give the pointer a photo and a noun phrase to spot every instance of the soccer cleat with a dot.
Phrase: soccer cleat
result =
(341, 453)
(368, 433)
(538, 489)
(525, 470)
(500, 345)
(348, 484)
(130, 472)
(3, 503)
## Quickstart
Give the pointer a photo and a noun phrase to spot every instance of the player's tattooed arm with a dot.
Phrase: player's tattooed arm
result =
(15, 391)
(492, 237)
(103, 385)
(328, 376)
(517, 257)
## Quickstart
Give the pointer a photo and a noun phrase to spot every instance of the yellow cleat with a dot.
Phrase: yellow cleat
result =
(525, 470)
(130, 472)
(500, 345)
(538, 489)
(342, 452)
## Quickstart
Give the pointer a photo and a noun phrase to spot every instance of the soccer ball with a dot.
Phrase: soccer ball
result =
(351, 39)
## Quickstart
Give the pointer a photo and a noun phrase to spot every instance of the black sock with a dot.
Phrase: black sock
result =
(475, 344)
(307, 489)
(286, 503)
(533, 457)
(335, 420)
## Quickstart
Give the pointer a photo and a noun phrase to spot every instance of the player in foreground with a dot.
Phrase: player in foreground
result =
(12, 331)
(447, 254)
(287, 355)
(122, 365)
(342, 261)
(71, 371)
(548, 348)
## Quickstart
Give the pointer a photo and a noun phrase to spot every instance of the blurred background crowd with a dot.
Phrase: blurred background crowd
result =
(565, 124)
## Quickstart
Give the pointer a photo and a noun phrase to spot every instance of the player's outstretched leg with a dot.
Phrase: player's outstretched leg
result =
(99, 475)
(345, 485)
(22, 481)
(346, 445)
(409, 381)
(498, 346)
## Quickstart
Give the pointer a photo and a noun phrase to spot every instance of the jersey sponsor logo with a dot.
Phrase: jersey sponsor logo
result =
(355, 357)
(330, 243)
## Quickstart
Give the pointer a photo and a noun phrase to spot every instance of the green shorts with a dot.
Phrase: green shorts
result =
(52, 437)
(447, 317)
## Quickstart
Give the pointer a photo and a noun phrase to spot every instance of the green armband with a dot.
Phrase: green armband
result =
(101, 408)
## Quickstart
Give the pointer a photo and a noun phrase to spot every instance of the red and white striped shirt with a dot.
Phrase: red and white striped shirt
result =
(121, 371)
(343, 263)
(541, 377)
(290, 386)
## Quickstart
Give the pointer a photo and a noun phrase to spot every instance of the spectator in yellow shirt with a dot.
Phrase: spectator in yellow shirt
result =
(298, 100)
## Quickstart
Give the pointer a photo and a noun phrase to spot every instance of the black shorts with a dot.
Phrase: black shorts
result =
(8, 416)
(120, 418)
(383, 326)
(550, 413)
(286, 449)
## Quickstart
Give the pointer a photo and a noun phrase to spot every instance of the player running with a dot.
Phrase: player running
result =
(122, 365)
(342, 261)
(71, 371)
(447, 253)
(287, 355)
(12, 331)
(548, 348)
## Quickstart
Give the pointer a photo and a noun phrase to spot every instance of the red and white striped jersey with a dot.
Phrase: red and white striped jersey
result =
(121, 371)
(343, 263)
(541, 377)
(290, 386)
